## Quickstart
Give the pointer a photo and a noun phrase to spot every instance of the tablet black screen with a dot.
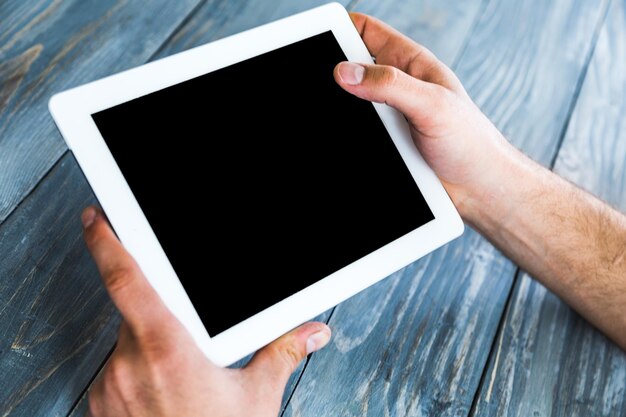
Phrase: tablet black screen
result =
(299, 177)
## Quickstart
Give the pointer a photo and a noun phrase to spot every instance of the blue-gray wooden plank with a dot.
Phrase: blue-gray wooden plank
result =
(83, 404)
(417, 343)
(548, 361)
(295, 376)
(50, 45)
(14, 391)
(443, 26)
(216, 19)
(57, 323)
(437, 18)
(223, 3)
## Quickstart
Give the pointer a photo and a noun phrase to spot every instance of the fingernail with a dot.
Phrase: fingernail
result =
(88, 216)
(317, 341)
(351, 73)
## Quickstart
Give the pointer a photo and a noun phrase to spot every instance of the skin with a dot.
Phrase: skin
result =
(570, 241)
(567, 239)
(158, 370)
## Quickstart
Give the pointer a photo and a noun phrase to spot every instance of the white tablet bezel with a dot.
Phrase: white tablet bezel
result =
(72, 111)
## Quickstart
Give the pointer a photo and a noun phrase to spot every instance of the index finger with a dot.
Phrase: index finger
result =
(391, 47)
(375, 34)
(129, 289)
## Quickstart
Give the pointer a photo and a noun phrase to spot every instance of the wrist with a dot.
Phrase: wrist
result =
(490, 198)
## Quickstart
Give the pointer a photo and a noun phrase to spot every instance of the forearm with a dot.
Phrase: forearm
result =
(570, 241)
(564, 237)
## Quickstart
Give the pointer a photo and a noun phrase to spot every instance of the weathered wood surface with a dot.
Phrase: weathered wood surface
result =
(83, 404)
(102, 340)
(57, 324)
(213, 20)
(416, 344)
(426, 19)
(50, 45)
(548, 361)
(295, 377)
(443, 26)
(56, 319)
(216, 19)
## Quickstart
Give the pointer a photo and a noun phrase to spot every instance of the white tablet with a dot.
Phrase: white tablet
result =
(300, 194)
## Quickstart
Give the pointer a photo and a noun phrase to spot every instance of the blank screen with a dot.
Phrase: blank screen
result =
(300, 177)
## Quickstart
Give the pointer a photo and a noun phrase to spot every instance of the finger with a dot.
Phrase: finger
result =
(391, 47)
(384, 84)
(95, 397)
(277, 361)
(376, 35)
(103, 397)
(131, 293)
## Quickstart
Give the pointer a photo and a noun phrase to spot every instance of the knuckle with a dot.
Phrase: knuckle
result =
(161, 362)
(120, 381)
(440, 98)
(94, 404)
(95, 238)
(442, 75)
(427, 56)
(158, 350)
(388, 76)
(291, 356)
(157, 359)
(161, 337)
(118, 277)
(116, 379)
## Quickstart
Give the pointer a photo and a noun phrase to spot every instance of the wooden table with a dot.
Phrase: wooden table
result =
(462, 332)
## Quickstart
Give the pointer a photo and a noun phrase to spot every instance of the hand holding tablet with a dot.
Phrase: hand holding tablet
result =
(158, 370)
(227, 123)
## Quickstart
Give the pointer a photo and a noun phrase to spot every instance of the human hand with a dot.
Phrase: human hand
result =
(466, 151)
(158, 370)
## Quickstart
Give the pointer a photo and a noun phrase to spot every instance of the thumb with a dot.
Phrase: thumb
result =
(386, 84)
(277, 361)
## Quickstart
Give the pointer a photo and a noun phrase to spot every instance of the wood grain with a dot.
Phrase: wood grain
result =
(12, 72)
(295, 376)
(416, 343)
(548, 361)
(216, 19)
(443, 26)
(106, 315)
(81, 408)
(50, 45)
(57, 323)
(83, 404)
(213, 20)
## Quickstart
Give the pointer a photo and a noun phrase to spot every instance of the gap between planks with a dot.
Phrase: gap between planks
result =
(496, 344)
